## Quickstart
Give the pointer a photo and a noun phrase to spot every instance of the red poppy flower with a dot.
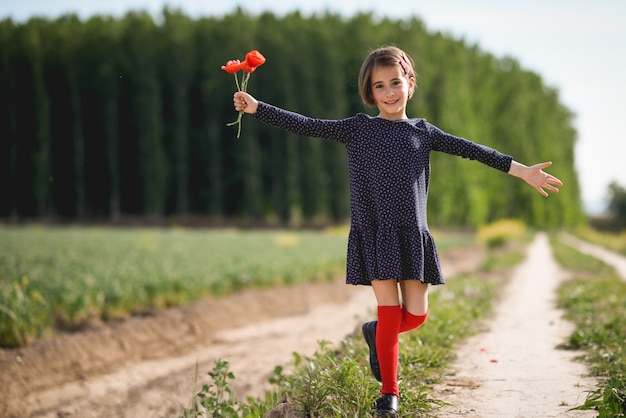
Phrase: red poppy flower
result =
(255, 59)
(232, 66)
(247, 68)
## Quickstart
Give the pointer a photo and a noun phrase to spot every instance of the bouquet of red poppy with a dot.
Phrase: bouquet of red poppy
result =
(253, 60)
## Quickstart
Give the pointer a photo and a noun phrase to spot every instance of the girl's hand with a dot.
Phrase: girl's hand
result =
(245, 102)
(536, 177)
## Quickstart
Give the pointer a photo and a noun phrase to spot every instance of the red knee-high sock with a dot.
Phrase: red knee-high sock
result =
(410, 321)
(389, 318)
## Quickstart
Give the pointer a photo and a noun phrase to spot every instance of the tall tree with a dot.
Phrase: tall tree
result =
(35, 51)
(104, 80)
(142, 45)
(68, 37)
(210, 36)
(617, 204)
(109, 75)
(178, 65)
(8, 117)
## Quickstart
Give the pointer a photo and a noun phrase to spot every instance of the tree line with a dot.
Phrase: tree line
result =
(111, 117)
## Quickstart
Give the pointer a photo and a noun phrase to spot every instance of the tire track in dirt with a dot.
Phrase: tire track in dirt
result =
(515, 369)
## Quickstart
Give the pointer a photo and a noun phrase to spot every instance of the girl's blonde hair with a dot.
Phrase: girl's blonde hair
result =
(383, 56)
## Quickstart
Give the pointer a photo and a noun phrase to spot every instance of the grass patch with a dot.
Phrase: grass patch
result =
(595, 301)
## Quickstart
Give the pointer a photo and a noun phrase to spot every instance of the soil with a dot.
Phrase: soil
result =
(151, 366)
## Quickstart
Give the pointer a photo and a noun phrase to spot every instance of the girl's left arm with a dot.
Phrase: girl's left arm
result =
(536, 177)
(533, 175)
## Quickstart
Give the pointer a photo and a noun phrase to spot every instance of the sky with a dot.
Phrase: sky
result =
(578, 47)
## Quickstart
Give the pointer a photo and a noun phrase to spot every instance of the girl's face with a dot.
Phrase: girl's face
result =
(391, 90)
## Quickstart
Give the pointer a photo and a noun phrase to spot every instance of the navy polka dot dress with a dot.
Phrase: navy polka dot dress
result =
(389, 165)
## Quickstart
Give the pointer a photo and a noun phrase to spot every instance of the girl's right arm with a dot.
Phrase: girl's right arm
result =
(337, 130)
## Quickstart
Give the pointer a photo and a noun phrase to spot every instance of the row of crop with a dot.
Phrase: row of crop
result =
(61, 277)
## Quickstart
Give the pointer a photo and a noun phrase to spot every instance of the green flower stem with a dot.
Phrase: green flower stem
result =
(243, 87)
(237, 81)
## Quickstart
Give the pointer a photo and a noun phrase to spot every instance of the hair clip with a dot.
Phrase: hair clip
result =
(404, 63)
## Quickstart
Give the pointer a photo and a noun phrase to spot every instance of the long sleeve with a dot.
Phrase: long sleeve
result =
(450, 144)
(337, 130)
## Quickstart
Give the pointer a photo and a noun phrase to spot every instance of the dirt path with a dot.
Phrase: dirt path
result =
(616, 260)
(150, 367)
(160, 387)
(514, 369)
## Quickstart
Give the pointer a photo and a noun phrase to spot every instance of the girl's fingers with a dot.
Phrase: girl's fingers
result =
(240, 103)
(543, 165)
(556, 181)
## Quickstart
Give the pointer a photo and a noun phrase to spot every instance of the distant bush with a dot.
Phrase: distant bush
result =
(497, 234)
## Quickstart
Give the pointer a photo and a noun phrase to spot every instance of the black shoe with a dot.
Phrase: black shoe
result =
(369, 333)
(387, 406)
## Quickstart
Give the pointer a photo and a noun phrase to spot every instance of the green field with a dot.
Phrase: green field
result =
(59, 277)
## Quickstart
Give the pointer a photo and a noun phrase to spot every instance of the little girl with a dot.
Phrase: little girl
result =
(390, 246)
